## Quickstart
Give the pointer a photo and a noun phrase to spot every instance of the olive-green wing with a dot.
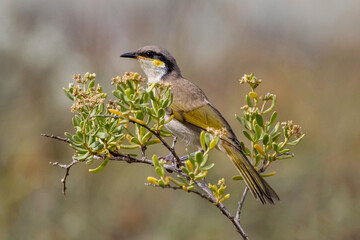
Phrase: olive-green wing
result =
(203, 117)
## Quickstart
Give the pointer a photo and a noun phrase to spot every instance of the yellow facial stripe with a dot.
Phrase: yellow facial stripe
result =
(158, 63)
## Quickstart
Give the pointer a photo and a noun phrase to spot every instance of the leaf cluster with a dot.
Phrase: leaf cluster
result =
(102, 130)
(261, 128)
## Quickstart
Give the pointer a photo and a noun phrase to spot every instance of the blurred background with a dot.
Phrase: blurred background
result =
(306, 52)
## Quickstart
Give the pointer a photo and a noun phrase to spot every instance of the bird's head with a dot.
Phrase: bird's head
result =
(156, 62)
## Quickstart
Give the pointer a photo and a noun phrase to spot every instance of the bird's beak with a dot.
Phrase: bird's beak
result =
(129, 55)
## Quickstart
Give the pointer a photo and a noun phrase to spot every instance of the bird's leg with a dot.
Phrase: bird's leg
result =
(186, 157)
(170, 156)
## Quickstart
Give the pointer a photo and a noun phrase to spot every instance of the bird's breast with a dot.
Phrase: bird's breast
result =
(182, 132)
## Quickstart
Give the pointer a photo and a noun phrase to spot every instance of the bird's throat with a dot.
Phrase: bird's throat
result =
(153, 72)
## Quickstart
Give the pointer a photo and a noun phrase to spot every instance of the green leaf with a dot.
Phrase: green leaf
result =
(101, 167)
(151, 87)
(248, 101)
(68, 94)
(185, 170)
(90, 139)
(102, 135)
(273, 118)
(156, 161)
(152, 96)
(198, 157)
(151, 142)
(257, 132)
(92, 84)
(207, 139)
(79, 149)
(165, 104)
(272, 105)
(202, 140)
(68, 136)
(183, 180)
(237, 178)
(259, 120)
(275, 129)
(164, 133)
(275, 146)
(117, 94)
(176, 181)
(191, 175)
(204, 161)
(268, 174)
(293, 143)
(246, 151)
(82, 157)
(201, 175)
(275, 137)
(247, 135)
(99, 147)
(161, 113)
(208, 167)
(284, 157)
(257, 159)
(286, 132)
(159, 171)
(129, 146)
(146, 97)
(265, 139)
(94, 144)
(241, 120)
(135, 140)
(286, 150)
(128, 93)
(74, 122)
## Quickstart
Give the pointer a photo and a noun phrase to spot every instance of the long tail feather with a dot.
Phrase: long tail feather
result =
(259, 188)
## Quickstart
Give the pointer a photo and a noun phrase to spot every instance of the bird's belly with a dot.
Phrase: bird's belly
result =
(183, 133)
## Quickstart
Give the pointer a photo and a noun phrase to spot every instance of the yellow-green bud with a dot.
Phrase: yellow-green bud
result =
(259, 148)
(253, 94)
(152, 180)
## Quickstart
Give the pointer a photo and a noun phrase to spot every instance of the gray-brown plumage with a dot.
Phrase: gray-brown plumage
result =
(194, 113)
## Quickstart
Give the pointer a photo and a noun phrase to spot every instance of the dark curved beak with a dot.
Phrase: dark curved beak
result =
(129, 55)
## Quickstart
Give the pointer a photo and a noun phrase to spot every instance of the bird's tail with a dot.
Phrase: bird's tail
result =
(259, 188)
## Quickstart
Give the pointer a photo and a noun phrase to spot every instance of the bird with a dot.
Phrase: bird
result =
(193, 113)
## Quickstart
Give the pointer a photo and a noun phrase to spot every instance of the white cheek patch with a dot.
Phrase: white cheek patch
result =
(154, 69)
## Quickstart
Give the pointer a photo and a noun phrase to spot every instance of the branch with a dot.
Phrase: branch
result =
(241, 203)
(246, 190)
(55, 137)
(67, 169)
(208, 194)
(179, 188)
(220, 206)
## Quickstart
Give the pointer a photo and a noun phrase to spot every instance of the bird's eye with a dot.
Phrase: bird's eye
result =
(149, 54)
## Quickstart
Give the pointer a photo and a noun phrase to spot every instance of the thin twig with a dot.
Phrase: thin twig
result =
(246, 190)
(179, 188)
(220, 206)
(67, 169)
(55, 137)
(241, 203)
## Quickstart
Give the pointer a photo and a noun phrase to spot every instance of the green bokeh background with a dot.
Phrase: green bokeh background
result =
(306, 52)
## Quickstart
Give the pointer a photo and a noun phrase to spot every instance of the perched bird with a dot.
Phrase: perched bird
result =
(194, 113)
